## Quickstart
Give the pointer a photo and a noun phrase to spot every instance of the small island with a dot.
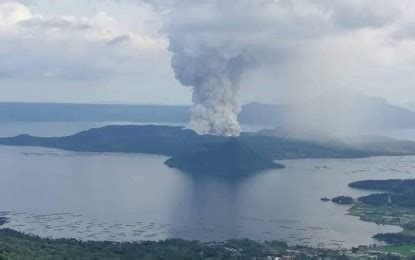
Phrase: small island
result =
(231, 158)
(343, 200)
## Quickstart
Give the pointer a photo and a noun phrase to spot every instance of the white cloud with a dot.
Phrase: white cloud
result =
(11, 14)
(99, 28)
(67, 47)
(308, 46)
(354, 14)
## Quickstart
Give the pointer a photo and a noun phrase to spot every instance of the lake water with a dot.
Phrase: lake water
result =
(127, 197)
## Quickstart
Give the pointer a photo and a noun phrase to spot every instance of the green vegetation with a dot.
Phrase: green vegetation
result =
(406, 199)
(396, 207)
(14, 245)
(385, 214)
(400, 192)
(388, 215)
(406, 250)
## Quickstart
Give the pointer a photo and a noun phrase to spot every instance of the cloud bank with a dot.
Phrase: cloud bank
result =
(285, 51)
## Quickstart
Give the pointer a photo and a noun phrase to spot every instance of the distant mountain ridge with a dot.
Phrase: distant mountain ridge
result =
(354, 108)
(254, 113)
(61, 112)
(336, 113)
(338, 109)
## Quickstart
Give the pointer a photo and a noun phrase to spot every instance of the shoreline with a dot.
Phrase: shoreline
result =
(16, 244)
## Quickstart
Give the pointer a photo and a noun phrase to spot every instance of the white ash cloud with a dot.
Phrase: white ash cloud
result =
(214, 43)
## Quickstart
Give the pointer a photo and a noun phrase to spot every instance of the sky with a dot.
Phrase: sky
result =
(120, 51)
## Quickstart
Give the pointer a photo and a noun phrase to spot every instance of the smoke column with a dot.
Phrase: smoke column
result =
(208, 57)
(214, 75)
(213, 43)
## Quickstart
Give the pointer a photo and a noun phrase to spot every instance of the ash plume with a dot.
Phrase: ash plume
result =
(214, 74)
(214, 43)
(210, 56)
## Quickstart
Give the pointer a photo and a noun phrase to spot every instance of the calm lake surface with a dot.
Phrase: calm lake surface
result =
(126, 197)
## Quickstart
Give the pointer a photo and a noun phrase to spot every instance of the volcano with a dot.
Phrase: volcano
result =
(230, 158)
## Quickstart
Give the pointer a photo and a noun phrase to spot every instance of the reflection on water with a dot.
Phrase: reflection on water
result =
(126, 197)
